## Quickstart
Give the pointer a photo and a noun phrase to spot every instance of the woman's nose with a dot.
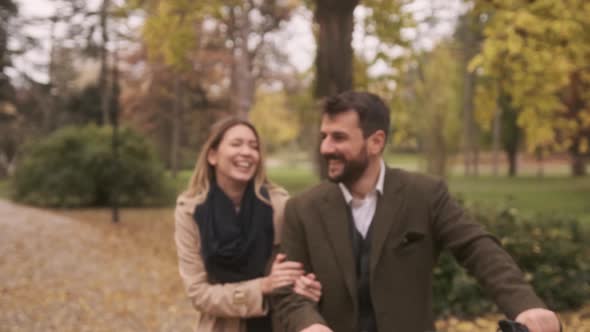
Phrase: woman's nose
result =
(246, 150)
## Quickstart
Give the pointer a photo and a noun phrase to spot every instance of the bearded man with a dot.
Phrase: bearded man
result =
(371, 236)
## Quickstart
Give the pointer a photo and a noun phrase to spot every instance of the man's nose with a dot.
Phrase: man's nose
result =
(326, 146)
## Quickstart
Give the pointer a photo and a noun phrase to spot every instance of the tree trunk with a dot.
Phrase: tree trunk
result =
(468, 123)
(103, 79)
(334, 57)
(511, 133)
(512, 156)
(176, 123)
(242, 80)
(50, 108)
(436, 150)
(467, 33)
(578, 163)
(334, 53)
(496, 140)
(573, 98)
(540, 164)
(114, 108)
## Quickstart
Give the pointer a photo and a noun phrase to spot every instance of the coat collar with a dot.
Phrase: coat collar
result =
(334, 216)
(387, 214)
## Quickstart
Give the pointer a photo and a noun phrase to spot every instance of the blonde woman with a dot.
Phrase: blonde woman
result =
(227, 225)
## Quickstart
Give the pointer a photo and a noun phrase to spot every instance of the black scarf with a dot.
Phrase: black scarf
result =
(236, 246)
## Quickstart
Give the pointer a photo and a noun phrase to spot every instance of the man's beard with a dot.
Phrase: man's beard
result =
(352, 170)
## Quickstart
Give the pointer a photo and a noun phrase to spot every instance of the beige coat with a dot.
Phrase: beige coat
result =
(221, 306)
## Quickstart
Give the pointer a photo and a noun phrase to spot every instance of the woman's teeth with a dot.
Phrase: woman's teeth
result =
(244, 164)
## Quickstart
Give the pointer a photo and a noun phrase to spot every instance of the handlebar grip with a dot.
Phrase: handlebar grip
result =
(511, 326)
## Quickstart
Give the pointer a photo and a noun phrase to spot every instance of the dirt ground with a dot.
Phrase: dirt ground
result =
(73, 270)
(61, 274)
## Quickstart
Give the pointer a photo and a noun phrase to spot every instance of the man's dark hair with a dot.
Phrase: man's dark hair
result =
(372, 111)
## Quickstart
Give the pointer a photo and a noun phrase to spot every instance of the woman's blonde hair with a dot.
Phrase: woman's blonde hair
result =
(200, 181)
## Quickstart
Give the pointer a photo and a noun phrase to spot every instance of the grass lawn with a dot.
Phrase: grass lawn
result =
(556, 195)
(561, 195)
(4, 189)
(293, 179)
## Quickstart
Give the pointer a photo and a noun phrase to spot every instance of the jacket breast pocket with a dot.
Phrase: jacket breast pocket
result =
(410, 242)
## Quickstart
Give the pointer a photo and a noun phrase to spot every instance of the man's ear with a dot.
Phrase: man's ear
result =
(212, 157)
(376, 142)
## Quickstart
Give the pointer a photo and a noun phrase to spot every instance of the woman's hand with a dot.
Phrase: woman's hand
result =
(283, 273)
(308, 286)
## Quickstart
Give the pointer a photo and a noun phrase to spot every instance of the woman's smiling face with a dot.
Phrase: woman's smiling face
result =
(237, 157)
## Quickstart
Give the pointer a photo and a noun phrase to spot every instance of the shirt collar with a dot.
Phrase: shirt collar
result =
(378, 186)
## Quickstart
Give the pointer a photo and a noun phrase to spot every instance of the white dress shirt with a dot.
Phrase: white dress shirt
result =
(363, 210)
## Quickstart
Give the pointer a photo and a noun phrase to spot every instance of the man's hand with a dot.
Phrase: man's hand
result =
(539, 320)
(308, 286)
(317, 328)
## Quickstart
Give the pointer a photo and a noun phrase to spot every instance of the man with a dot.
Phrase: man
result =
(372, 235)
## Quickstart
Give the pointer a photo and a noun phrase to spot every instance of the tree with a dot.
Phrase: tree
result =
(335, 57)
(469, 37)
(538, 52)
(336, 64)
(176, 28)
(429, 105)
(205, 59)
(103, 81)
(276, 123)
(9, 117)
(8, 10)
(334, 54)
(172, 108)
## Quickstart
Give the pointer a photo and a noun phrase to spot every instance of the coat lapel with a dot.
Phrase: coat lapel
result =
(336, 224)
(387, 215)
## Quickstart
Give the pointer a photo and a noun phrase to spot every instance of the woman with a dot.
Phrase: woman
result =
(227, 224)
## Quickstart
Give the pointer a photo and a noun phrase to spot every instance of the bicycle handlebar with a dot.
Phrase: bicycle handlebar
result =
(511, 326)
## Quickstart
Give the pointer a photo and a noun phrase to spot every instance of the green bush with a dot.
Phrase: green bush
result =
(552, 251)
(75, 166)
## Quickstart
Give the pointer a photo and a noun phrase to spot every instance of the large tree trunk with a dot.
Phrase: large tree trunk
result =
(512, 156)
(334, 55)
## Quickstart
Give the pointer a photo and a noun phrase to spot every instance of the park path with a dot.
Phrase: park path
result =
(59, 274)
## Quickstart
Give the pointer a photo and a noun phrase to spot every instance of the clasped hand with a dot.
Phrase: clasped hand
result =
(288, 273)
